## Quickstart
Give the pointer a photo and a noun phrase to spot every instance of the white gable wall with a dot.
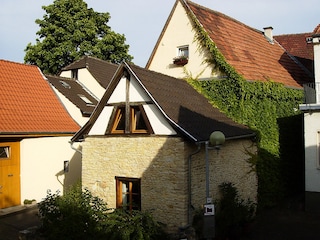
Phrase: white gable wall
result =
(158, 122)
(72, 109)
(87, 80)
(179, 33)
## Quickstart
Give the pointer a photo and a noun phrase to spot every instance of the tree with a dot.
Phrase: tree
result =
(68, 31)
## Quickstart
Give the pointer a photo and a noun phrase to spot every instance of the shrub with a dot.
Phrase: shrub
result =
(134, 225)
(80, 215)
(232, 211)
(76, 215)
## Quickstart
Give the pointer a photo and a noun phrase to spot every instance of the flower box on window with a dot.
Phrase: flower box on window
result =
(181, 60)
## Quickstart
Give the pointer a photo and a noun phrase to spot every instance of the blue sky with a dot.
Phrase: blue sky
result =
(141, 21)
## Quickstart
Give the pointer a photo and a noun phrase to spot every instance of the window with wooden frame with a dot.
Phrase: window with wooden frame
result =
(128, 193)
(137, 123)
(5, 152)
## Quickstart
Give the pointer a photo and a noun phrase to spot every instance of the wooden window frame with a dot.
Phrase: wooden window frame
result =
(120, 111)
(6, 152)
(130, 193)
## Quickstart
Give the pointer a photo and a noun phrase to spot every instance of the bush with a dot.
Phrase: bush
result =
(80, 215)
(232, 211)
(134, 225)
(76, 215)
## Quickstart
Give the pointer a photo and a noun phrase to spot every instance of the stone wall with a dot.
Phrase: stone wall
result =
(162, 165)
(229, 164)
(160, 162)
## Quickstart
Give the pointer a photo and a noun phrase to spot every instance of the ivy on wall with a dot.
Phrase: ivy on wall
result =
(258, 105)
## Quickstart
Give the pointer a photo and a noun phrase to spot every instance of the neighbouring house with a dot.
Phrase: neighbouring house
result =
(81, 85)
(253, 54)
(92, 73)
(311, 109)
(144, 147)
(35, 130)
(300, 47)
(217, 50)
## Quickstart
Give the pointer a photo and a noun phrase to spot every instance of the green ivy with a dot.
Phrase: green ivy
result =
(258, 105)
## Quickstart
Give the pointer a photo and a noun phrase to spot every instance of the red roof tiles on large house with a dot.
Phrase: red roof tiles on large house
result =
(248, 50)
(28, 105)
(300, 46)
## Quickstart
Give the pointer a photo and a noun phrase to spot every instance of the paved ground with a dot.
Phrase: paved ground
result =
(16, 220)
(285, 223)
(281, 223)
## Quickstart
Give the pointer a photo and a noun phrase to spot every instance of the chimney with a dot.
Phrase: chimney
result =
(268, 33)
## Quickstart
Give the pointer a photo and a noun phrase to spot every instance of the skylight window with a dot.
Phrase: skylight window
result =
(65, 84)
(85, 99)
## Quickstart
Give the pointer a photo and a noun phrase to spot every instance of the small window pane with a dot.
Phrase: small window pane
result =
(183, 51)
(139, 123)
(4, 152)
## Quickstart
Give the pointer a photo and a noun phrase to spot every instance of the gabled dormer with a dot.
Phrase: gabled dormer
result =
(142, 102)
(126, 108)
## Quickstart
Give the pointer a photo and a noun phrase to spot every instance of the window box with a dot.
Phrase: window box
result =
(180, 61)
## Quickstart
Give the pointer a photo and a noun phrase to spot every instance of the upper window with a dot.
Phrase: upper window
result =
(74, 74)
(128, 193)
(137, 121)
(183, 51)
(4, 152)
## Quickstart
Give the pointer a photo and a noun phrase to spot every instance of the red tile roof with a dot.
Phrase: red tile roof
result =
(248, 50)
(28, 105)
(297, 46)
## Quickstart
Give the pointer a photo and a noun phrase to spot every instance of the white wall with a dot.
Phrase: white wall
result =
(42, 166)
(87, 80)
(312, 168)
(72, 109)
(179, 33)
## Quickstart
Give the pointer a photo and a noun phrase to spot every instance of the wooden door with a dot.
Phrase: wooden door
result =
(9, 174)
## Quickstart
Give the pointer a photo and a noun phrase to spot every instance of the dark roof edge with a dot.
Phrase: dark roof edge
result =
(161, 35)
(159, 107)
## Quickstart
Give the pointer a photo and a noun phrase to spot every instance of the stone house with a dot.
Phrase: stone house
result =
(35, 130)
(144, 147)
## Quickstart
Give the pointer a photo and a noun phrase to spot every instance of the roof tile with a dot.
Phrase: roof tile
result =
(28, 104)
(248, 50)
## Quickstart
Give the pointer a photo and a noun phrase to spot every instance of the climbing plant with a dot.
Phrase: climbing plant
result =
(258, 105)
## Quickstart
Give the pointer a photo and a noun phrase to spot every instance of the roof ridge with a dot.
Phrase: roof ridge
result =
(317, 29)
(23, 64)
(221, 14)
(293, 34)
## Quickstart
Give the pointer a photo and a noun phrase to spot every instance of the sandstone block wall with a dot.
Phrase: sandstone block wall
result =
(162, 165)
(229, 164)
(160, 162)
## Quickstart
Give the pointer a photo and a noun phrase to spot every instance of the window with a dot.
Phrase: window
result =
(85, 99)
(74, 74)
(128, 193)
(137, 121)
(4, 152)
(183, 51)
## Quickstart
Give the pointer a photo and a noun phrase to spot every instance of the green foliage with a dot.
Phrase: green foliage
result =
(68, 31)
(75, 215)
(134, 225)
(232, 211)
(80, 215)
(258, 105)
